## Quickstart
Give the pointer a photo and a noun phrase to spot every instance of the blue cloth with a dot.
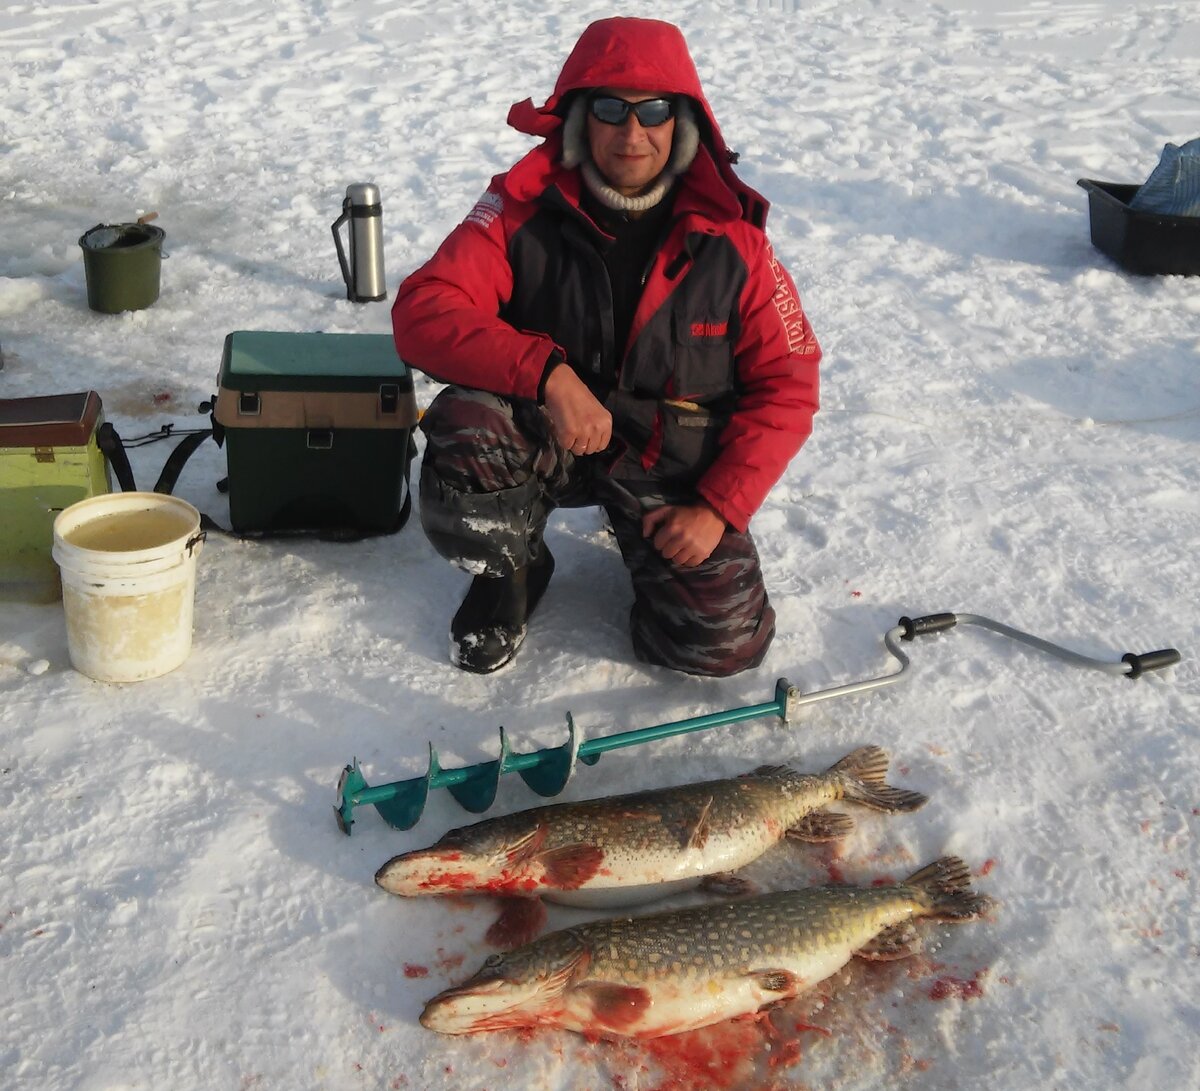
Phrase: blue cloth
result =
(1173, 188)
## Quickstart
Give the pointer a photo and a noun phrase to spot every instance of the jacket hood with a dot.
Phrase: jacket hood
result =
(642, 55)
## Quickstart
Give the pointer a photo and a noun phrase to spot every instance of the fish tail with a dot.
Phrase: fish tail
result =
(863, 774)
(944, 887)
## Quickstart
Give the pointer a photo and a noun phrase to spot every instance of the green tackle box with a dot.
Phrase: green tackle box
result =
(49, 459)
(317, 429)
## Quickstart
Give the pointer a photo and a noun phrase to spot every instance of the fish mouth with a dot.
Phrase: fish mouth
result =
(428, 871)
(476, 1005)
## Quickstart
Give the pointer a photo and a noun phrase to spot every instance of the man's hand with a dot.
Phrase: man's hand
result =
(684, 533)
(581, 424)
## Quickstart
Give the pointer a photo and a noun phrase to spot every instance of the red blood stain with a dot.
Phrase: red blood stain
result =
(162, 397)
(986, 867)
(719, 1057)
(449, 880)
(725, 1056)
(883, 880)
(1180, 873)
(836, 875)
(787, 1054)
(413, 970)
(856, 594)
(958, 988)
(449, 962)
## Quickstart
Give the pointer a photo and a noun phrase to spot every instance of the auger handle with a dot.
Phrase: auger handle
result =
(1132, 664)
(1150, 661)
(930, 623)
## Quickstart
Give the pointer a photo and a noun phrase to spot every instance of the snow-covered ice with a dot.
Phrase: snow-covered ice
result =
(1011, 427)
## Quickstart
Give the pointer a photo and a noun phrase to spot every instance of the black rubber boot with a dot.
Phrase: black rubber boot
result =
(490, 624)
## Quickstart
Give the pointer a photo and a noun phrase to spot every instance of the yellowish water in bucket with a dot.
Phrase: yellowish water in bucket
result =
(128, 531)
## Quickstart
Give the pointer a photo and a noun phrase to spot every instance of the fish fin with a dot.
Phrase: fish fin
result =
(895, 941)
(945, 888)
(864, 773)
(769, 771)
(867, 763)
(777, 981)
(574, 966)
(818, 827)
(616, 1007)
(526, 845)
(569, 867)
(698, 837)
(728, 885)
(520, 921)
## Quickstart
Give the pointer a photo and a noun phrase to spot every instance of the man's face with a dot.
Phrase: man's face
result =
(629, 156)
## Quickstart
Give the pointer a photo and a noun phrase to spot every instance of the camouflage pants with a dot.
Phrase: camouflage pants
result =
(491, 475)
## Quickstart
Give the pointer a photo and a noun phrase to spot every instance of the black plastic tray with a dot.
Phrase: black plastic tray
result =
(1141, 242)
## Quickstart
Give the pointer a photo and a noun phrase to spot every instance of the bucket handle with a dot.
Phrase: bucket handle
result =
(195, 540)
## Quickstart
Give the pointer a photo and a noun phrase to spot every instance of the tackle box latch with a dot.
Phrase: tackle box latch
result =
(389, 398)
(43, 454)
(249, 404)
(320, 439)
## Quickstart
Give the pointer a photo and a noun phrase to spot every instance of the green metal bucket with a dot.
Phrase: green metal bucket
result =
(123, 264)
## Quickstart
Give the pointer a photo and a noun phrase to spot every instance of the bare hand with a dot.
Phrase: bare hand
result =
(581, 424)
(684, 533)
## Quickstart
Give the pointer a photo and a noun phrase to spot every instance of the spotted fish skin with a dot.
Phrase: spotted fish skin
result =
(666, 973)
(633, 848)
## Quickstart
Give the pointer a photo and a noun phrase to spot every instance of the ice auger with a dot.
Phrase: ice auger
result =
(547, 771)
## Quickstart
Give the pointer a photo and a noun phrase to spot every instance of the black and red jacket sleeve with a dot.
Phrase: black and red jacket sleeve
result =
(446, 317)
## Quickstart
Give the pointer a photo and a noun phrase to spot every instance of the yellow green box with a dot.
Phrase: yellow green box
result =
(49, 459)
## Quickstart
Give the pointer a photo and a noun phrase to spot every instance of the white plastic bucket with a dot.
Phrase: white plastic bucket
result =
(128, 564)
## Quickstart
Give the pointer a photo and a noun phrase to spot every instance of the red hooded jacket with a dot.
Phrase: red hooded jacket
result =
(717, 386)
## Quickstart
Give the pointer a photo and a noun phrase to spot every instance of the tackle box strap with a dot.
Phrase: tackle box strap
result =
(113, 447)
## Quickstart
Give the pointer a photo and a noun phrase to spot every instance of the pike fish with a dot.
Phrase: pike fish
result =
(645, 977)
(630, 849)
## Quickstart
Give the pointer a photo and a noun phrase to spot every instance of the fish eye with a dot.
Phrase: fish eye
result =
(492, 961)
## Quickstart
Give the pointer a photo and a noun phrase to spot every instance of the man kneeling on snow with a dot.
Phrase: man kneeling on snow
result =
(617, 332)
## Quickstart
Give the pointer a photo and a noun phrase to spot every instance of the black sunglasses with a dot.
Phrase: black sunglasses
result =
(649, 112)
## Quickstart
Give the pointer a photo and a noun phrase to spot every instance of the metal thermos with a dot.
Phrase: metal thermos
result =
(363, 273)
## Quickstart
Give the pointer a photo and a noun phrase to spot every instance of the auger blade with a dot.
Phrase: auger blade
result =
(555, 764)
(406, 804)
(350, 783)
(475, 785)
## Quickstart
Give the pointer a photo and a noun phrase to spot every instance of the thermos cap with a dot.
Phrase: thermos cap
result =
(363, 193)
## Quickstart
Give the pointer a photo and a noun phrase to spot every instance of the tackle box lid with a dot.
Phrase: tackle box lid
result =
(50, 420)
(265, 360)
